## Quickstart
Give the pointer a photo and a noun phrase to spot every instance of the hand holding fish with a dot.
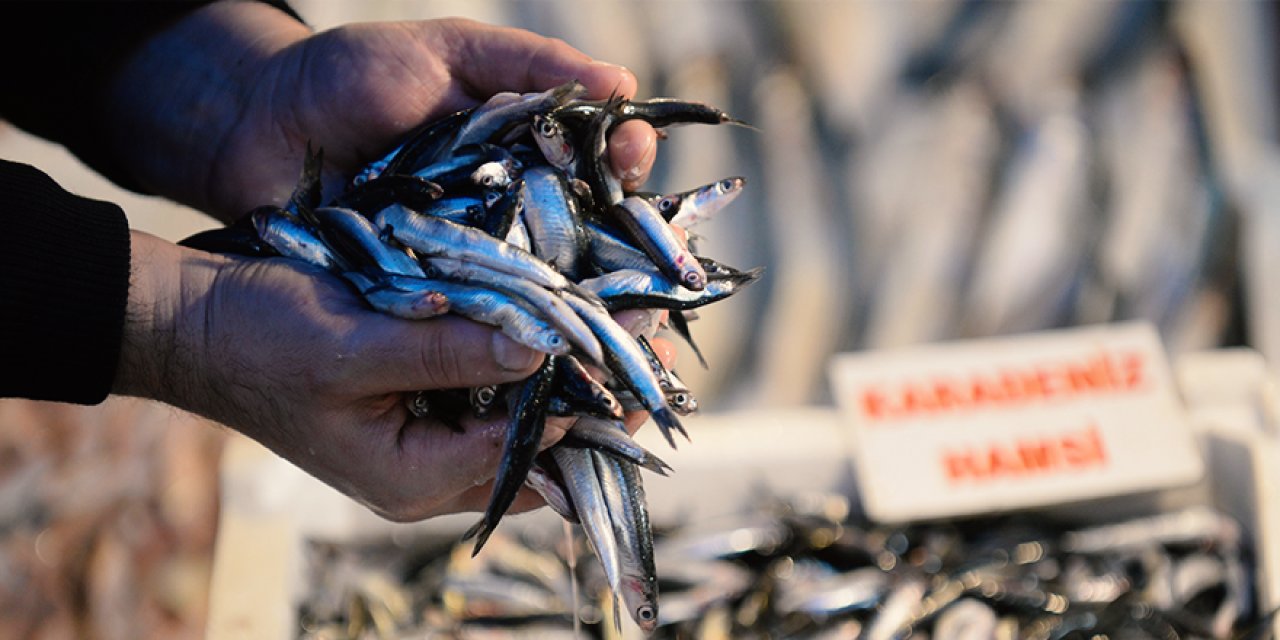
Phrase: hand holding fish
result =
(217, 111)
(284, 353)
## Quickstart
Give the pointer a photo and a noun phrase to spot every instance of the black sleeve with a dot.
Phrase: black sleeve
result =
(64, 285)
(56, 58)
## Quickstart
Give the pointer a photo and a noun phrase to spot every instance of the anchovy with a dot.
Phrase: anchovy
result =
(465, 210)
(611, 437)
(491, 307)
(503, 211)
(606, 188)
(696, 206)
(657, 112)
(624, 496)
(550, 306)
(554, 220)
(524, 433)
(583, 481)
(370, 197)
(552, 139)
(293, 238)
(609, 251)
(424, 144)
(586, 394)
(354, 235)
(492, 119)
(860, 589)
(492, 175)
(896, 609)
(436, 237)
(647, 227)
(518, 235)
(482, 399)
(446, 405)
(627, 361)
(419, 302)
(637, 289)
(307, 193)
(679, 324)
(239, 239)
(679, 397)
(458, 169)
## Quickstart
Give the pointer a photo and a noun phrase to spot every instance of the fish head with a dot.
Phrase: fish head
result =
(264, 217)
(668, 205)
(606, 399)
(730, 185)
(553, 342)
(640, 595)
(552, 141)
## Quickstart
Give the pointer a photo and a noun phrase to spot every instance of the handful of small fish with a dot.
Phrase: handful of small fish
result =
(801, 568)
(508, 214)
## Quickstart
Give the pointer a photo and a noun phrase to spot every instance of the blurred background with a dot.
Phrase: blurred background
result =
(918, 171)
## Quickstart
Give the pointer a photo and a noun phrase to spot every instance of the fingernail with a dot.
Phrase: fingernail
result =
(512, 356)
(635, 171)
(609, 67)
(639, 322)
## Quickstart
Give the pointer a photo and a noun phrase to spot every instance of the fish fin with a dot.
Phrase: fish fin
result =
(680, 325)
(617, 614)
(668, 422)
(655, 464)
(480, 531)
(306, 194)
(233, 240)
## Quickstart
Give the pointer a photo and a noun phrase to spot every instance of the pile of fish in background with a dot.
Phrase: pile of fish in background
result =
(509, 214)
(801, 568)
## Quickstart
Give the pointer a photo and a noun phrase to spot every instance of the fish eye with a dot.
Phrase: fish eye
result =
(546, 128)
(665, 204)
(645, 613)
(726, 185)
(485, 395)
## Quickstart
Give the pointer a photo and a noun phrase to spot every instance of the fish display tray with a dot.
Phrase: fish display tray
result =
(270, 509)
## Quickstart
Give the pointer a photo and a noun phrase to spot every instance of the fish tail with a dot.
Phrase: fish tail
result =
(668, 422)
(655, 464)
(617, 615)
(480, 531)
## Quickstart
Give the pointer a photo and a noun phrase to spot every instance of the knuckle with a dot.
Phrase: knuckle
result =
(442, 361)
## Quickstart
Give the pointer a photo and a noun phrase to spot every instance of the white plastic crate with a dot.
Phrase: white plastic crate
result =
(270, 509)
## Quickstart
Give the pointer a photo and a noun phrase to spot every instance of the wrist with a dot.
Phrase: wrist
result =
(174, 102)
(161, 352)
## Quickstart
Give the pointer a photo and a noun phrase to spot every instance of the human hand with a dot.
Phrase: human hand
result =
(284, 353)
(232, 138)
(288, 355)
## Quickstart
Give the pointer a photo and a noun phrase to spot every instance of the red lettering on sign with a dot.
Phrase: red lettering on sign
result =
(1104, 373)
(1063, 453)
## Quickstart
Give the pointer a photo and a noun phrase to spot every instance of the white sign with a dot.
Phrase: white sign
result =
(990, 425)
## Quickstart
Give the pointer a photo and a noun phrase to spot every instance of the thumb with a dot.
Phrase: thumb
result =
(441, 353)
(487, 59)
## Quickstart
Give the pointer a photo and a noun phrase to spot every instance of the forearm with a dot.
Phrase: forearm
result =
(64, 274)
(173, 103)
